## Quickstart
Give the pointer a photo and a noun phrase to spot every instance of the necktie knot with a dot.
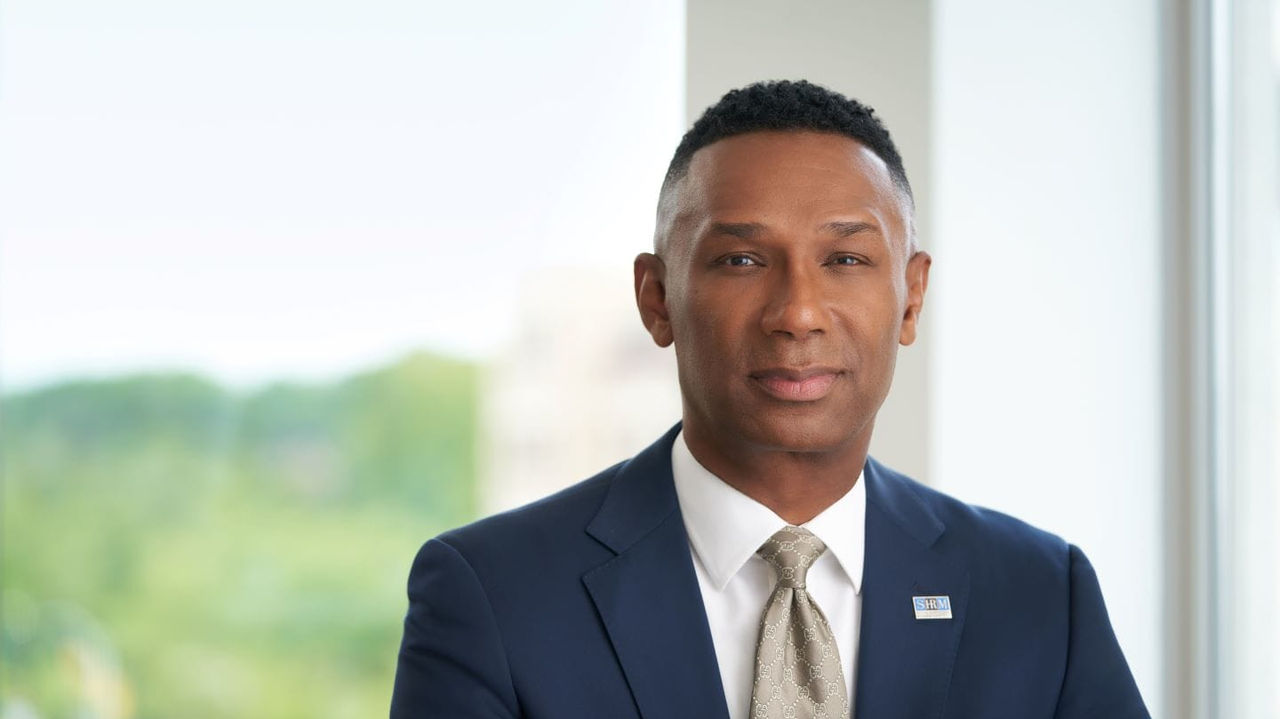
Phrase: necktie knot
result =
(791, 551)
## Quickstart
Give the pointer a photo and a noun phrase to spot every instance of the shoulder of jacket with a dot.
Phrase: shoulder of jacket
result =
(986, 533)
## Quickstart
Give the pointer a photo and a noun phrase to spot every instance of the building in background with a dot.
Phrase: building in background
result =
(580, 387)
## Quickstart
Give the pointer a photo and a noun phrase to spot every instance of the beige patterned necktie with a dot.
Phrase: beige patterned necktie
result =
(798, 673)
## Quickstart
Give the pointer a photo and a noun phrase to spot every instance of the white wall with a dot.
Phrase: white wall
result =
(1046, 365)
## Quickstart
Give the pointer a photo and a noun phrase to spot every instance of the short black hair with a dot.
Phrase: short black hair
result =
(788, 105)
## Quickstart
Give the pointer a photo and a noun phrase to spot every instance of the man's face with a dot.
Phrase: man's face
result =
(786, 283)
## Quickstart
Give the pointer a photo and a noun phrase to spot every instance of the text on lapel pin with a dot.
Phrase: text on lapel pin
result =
(937, 607)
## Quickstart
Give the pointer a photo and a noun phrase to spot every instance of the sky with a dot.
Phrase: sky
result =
(275, 188)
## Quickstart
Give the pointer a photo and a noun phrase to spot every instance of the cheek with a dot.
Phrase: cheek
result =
(874, 327)
(882, 305)
(709, 331)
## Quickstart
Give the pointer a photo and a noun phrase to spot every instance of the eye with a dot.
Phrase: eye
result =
(738, 261)
(845, 260)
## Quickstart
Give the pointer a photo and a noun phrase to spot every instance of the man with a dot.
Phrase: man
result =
(755, 562)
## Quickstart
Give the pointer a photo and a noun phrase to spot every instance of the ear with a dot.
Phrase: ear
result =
(651, 297)
(917, 284)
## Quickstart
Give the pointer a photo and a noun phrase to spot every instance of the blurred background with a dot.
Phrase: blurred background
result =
(287, 288)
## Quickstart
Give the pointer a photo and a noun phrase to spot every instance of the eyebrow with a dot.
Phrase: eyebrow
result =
(751, 230)
(849, 229)
(741, 230)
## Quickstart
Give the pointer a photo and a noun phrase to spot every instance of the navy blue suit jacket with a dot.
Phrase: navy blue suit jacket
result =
(585, 604)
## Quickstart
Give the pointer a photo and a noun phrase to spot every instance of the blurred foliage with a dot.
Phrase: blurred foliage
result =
(172, 549)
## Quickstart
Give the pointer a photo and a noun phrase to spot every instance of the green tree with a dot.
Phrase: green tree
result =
(169, 548)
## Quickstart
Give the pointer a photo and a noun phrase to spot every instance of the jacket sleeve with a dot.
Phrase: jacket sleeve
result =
(1097, 682)
(452, 662)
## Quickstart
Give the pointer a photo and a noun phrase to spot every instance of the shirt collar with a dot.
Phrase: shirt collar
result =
(726, 527)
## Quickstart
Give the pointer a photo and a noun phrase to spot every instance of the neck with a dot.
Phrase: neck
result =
(796, 485)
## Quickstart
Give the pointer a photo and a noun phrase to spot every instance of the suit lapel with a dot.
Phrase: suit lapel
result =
(648, 595)
(904, 663)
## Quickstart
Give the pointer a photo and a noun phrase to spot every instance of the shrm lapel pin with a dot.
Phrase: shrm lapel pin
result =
(938, 607)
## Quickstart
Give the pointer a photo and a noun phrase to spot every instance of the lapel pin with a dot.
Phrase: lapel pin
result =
(937, 607)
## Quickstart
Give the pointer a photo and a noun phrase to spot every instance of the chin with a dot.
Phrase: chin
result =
(790, 433)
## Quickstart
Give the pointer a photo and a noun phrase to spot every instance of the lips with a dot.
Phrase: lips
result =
(797, 385)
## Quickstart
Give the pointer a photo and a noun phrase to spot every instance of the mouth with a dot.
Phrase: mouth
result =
(807, 384)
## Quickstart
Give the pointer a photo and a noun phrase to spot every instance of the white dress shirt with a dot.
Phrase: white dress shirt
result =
(725, 529)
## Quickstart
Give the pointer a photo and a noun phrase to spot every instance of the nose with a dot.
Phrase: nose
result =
(796, 306)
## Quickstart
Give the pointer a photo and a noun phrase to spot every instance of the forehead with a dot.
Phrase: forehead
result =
(788, 171)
